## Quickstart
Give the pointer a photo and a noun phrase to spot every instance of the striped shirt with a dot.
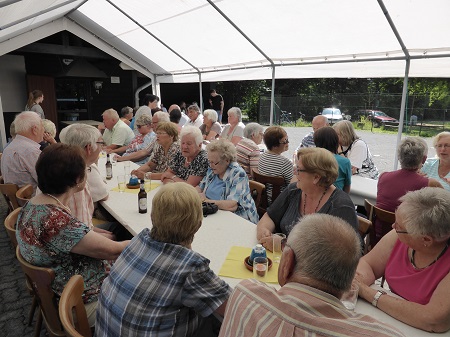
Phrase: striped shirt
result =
(271, 164)
(307, 141)
(248, 154)
(255, 309)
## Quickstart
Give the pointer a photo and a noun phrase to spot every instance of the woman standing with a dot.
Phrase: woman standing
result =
(35, 98)
(439, 168)
(355, 149)
(210, 128)
(234, 130)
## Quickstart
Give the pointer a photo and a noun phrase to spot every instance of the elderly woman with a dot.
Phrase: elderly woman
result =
(271, 162)
(248, 152)
(67, 245)
(126, 115)
(439, 168)
(328, 139)
(165, 149)
(313, 192)
(49, 133)
(355, 149)
(141, 141)
(226, 183)
(159, 286)
(412, 153)
(189, 165)
(210, 128)
(415, 259)
(234, 130)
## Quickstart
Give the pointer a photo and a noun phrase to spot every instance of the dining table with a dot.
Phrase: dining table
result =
(217, 236)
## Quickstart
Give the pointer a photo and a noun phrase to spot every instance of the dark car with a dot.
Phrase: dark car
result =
(377, 117)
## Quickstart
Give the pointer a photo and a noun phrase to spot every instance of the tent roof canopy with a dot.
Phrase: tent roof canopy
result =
(177, 40)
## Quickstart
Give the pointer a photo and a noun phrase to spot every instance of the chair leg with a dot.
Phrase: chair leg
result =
(34, 305)
(38, 326)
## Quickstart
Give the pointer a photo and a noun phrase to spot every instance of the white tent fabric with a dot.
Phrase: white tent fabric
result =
(177, 40)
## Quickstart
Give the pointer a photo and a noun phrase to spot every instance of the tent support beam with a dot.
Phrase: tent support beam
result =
(200, 89)
(402, 111)
(272, 97)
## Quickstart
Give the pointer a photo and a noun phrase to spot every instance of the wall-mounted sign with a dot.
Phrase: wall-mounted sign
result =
(115, 79)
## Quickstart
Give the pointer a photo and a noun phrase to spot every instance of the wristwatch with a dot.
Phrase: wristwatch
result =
(377, 297)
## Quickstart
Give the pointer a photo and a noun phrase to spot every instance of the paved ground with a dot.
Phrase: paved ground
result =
(15, 301)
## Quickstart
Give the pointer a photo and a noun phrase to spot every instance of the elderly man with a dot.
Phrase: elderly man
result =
(20, 157)
(318, 122)
(117, 133)
(184, 118)
(317, 265)
(195, 116)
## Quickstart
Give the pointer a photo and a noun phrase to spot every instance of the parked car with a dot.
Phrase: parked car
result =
(334, 115)
(377, 117)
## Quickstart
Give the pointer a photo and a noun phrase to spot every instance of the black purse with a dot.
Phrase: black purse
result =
(209, 208)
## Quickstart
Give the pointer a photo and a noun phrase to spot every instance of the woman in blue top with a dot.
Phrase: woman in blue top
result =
(226, 183)
(439, 168)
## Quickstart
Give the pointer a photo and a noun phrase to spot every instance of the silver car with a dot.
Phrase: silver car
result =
(334, 115)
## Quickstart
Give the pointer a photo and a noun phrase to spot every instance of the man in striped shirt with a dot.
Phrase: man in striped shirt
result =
(314, 272)
(318, 122)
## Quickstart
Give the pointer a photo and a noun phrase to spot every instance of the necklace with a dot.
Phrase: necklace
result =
(317, 207)
(59, 202)
(413, 252)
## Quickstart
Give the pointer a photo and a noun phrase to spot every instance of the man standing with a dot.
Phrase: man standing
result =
(317, 266)
(117, 133)
(195, 116)
(318, 122)
(20, 157)
(216, 102)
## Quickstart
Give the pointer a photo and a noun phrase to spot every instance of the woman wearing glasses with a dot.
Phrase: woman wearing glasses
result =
(226, 183)
(439, 168)
(415, 259)
(313, 192)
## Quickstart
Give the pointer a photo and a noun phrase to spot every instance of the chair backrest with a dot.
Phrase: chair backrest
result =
(41, 280)
(10, 225)
(386, 219)
(24, 194)
(364, 227)
(256, 189)
(9, 192)
(71, 309)
(273, 182)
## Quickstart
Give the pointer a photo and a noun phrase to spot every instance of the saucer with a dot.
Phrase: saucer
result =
(133, 187)
(250, 267)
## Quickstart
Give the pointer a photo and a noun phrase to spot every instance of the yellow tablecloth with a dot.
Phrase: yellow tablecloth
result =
(234, 265)
(136, 190)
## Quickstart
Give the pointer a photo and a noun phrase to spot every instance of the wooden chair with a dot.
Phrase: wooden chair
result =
(41, 280)
(275, 183)
(386, 218)
(71, 309)
(256, 189)
(364, 227)
(9, 193)
(24, 194)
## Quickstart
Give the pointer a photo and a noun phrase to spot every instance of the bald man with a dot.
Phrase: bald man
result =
(184, 118)
(318, 122)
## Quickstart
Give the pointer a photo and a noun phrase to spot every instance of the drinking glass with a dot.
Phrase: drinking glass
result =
(260, 268)
(121, 183)
(350, 297)
(113, 159)
(279, 240)
(126, 167)
(148, 181)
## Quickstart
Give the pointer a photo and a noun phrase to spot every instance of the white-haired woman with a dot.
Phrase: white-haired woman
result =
(210, 128)
(234, 130)
(49, 133)
(191, 163)
(439, 168)
(226, 183)
(247, 149)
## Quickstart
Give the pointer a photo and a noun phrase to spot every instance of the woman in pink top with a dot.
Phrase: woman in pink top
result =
(415, 259)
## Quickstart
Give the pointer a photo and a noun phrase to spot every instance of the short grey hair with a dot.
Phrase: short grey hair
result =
(111, 113)
(49, 127)
(252, 129)
(427, 212)
(237, 112)
(194, 132)
(211, 114)
(25, 121)
(80, 135)
(411, 152)
(326, 249)
(194, 107)
(162, 116)
(225, 148)
(439, 136)
(144, 119)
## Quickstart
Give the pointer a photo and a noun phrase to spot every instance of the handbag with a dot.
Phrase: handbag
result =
(209, 208)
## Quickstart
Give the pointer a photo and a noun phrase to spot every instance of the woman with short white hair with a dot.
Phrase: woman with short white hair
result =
(248, 152)
(234, 130)
(210, 128)
(439, 168)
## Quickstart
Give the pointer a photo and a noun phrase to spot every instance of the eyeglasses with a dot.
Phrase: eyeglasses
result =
(445, 146)
(394, 225)
(298, 170)
(102, 143)
(139, 126)
(161, 133)
(213, 164)
(285, 142)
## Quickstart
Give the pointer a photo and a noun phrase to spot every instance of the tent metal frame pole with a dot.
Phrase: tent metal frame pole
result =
(272, 97)
(402, 111)
(8, 2)
(201, 90)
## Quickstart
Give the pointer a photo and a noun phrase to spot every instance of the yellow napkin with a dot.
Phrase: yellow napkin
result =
(136, 190)
(234, 265)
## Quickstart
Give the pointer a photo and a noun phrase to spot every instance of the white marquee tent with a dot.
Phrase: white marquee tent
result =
(174, 41)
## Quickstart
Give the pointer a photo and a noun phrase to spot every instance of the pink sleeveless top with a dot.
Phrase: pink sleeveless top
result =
(415, 285)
